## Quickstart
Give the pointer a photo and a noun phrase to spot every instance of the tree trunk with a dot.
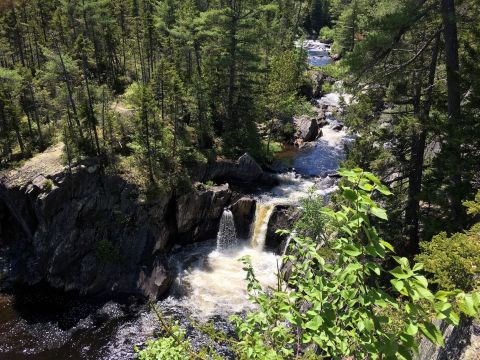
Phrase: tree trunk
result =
(454, 158)
(418, 143)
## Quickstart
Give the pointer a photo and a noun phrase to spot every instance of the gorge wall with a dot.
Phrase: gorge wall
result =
(91, 232)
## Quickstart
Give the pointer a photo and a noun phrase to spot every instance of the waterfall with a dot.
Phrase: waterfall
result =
(262, 216)
(227, 236)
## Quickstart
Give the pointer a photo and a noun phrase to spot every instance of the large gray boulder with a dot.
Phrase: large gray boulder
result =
(307, 128)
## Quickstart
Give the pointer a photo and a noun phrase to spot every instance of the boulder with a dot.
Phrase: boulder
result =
(198, 214)
(306, 127)
(283, 217)
(243, 172)
(243, 215)
(338, 127)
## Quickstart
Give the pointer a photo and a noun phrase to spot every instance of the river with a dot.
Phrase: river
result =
(209, 283)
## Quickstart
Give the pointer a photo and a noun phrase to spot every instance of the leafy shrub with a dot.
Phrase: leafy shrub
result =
(338, 308)
(173, 346)
(454, 262)
(326, 33)
(47, 185)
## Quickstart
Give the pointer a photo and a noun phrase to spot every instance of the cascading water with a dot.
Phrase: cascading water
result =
(227, 236)
(263, 213)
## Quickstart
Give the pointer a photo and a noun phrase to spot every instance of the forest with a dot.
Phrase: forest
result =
(154, 90)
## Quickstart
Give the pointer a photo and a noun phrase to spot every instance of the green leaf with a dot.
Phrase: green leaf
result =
(352, 250)
(315, 323)
(432, 333)
(467, 305)
(387, 245)
(412, 329)
(349, 194)
(379, 212)
(399, 273)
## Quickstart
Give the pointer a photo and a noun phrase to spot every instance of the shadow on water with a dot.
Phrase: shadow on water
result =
(42, 323)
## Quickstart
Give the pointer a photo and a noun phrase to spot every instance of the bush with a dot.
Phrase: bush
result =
(454, 262)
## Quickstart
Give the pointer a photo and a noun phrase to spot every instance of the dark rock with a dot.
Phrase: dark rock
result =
(243, 172)
(461, 342)
(91, 233)
(322, 122)
(198, 213)
(317, 79)
(307, 128)
(338, 127)
(243, 214)
(283, 217)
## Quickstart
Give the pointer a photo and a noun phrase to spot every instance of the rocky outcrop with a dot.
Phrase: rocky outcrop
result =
(461, 343)
(243, 172)
(91, 232)
(283, 217)
(198, 213)
(243, 214)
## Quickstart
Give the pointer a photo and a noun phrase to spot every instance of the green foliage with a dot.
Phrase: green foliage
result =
(47, 185)
(338, 306)
(454, 261)
(160, 85)
(174, 347)
(326, 33)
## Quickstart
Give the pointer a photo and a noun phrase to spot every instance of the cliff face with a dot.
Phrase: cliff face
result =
(89, 232)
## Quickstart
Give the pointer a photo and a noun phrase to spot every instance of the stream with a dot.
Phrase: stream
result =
(209, 283)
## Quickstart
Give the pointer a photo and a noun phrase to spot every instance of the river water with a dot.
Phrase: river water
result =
(209, 282)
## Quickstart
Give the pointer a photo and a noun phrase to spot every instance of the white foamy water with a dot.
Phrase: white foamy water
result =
(220, 288)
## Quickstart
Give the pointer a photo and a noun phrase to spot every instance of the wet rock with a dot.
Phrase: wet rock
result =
(338, 127)
(243, 214)
(283, 218)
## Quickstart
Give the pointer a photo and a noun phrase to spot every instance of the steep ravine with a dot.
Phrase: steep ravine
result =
(87, 247)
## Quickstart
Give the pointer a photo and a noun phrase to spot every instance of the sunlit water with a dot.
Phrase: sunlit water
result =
(318, 52)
